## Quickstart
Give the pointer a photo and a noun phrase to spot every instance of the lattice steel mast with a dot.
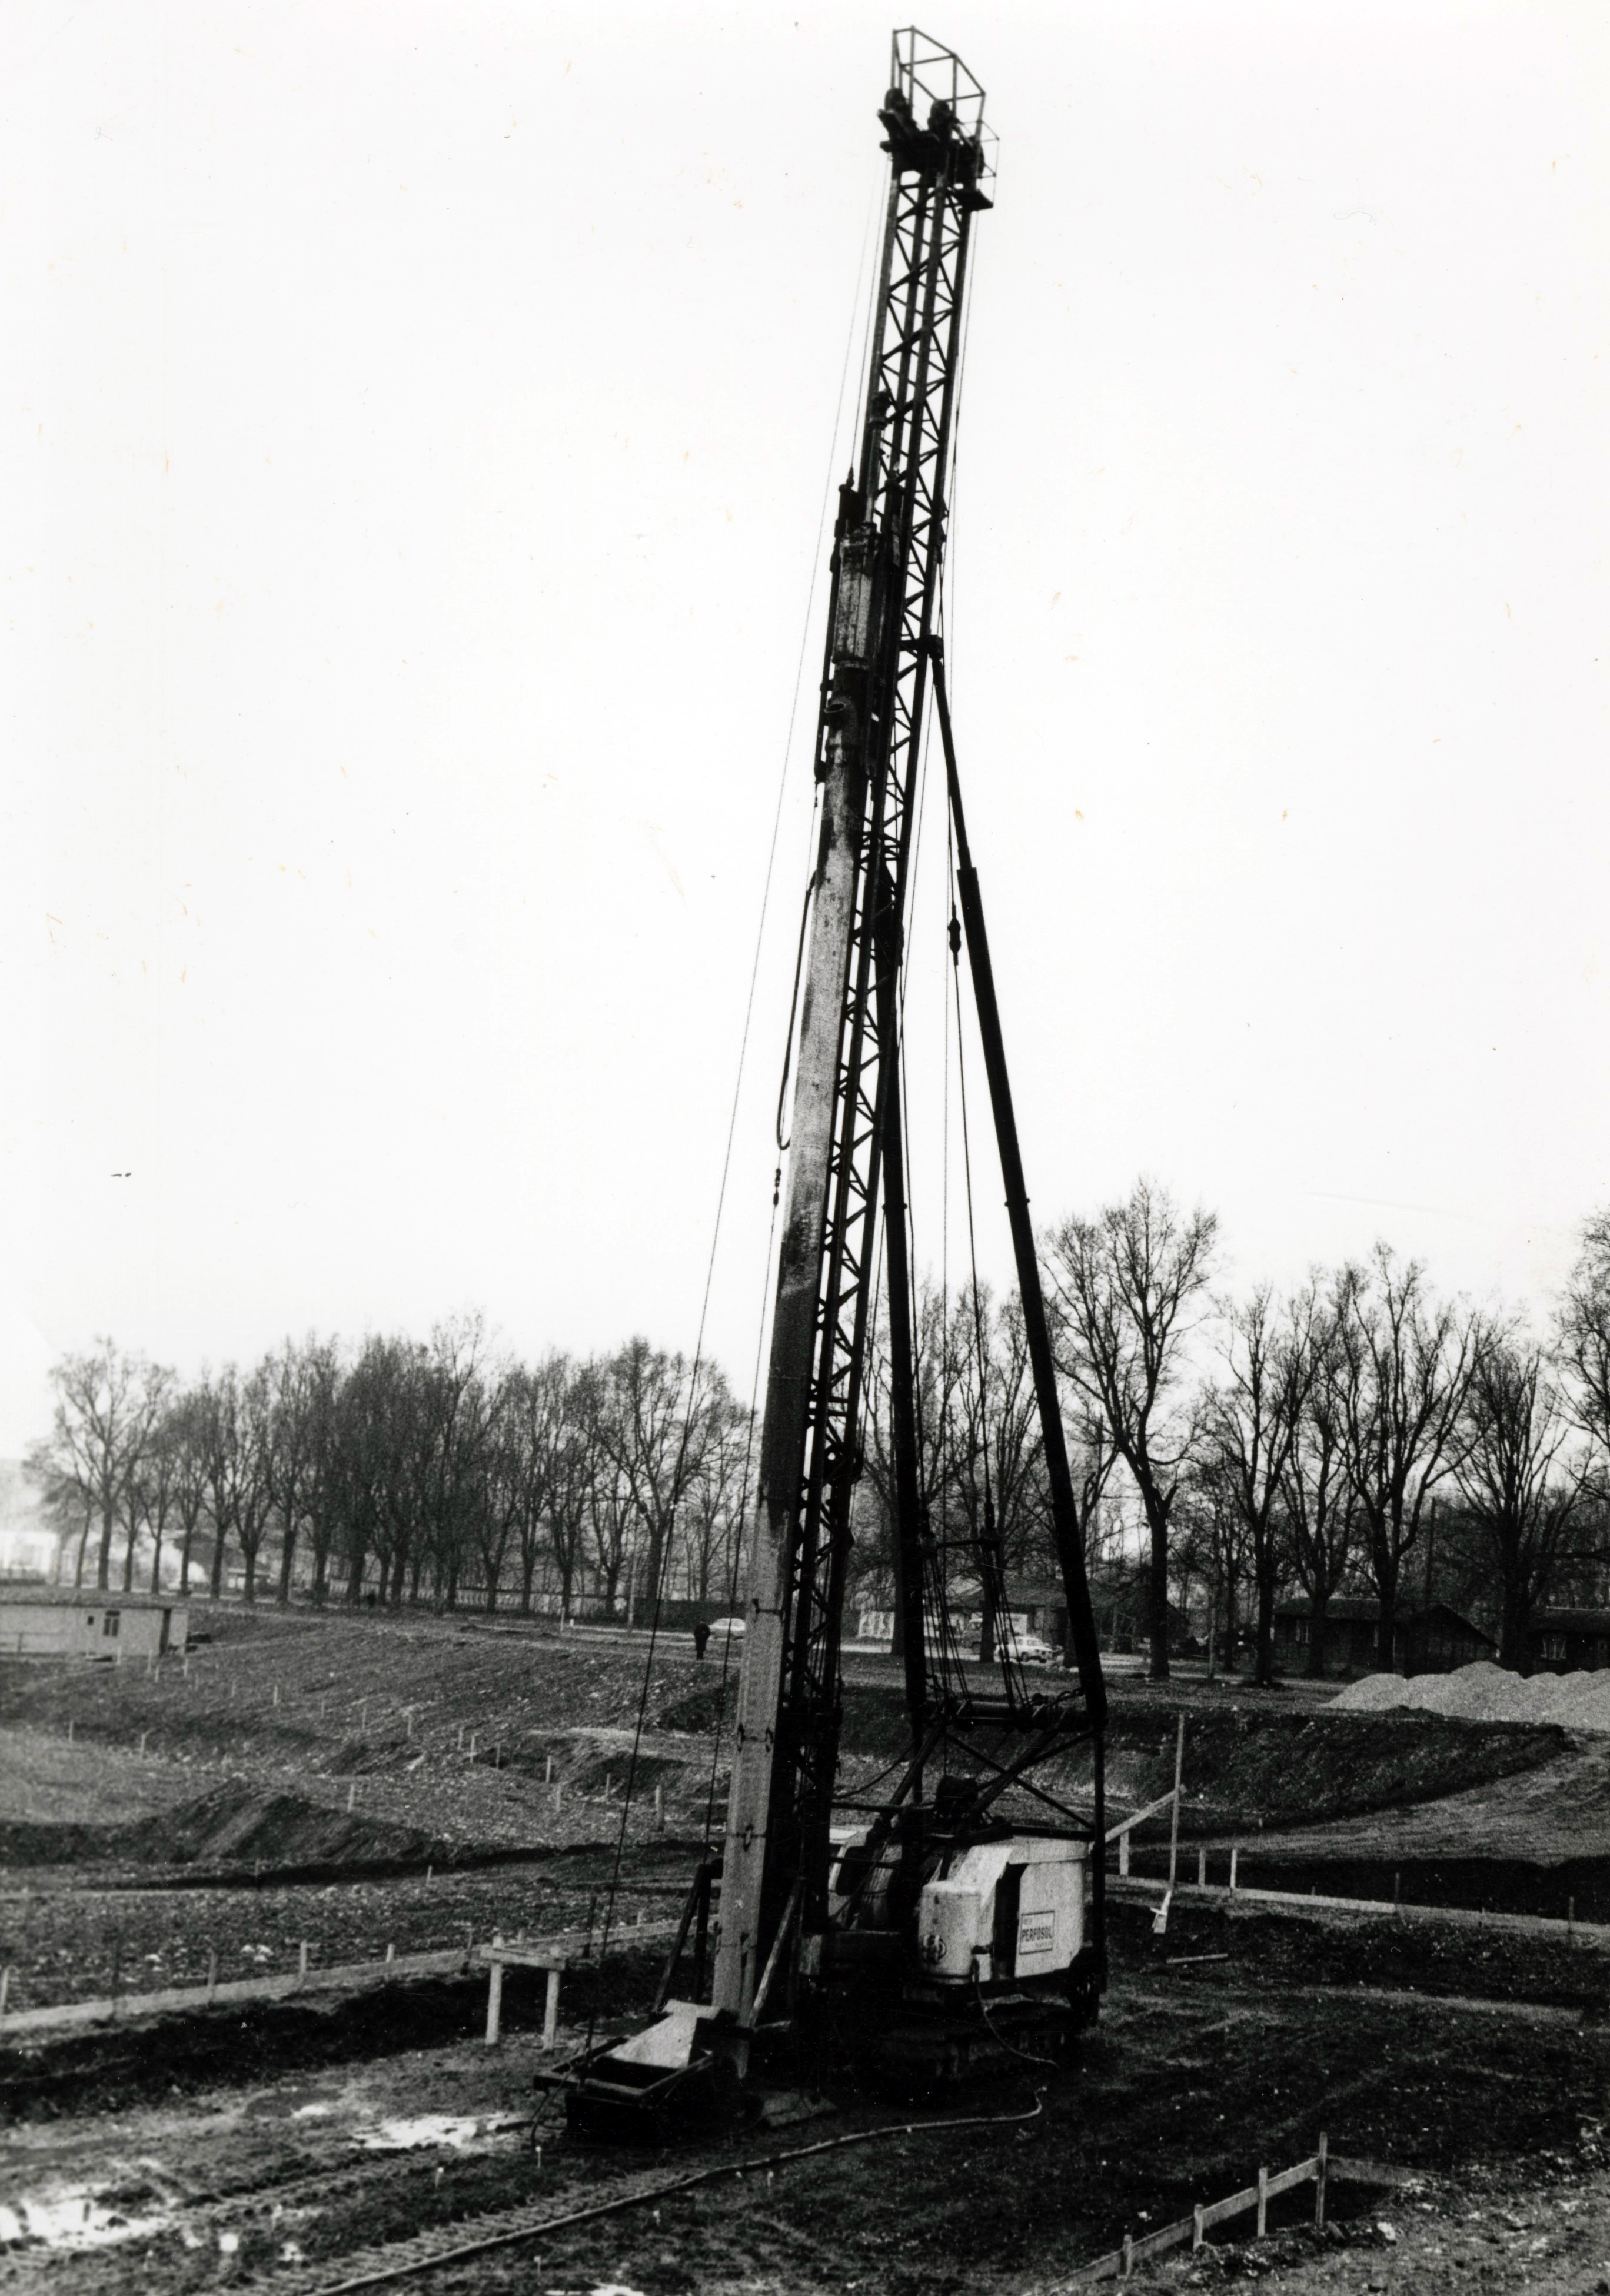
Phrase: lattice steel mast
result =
(887, 563)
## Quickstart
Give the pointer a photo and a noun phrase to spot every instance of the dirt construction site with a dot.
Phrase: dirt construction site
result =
(248, 1898)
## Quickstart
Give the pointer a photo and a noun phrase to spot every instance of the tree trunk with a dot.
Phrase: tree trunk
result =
(129, 1551)
(103, 1560)
(1387, 1586)
(1515, 1644)
(83, 1549)
(1319, 1608)
(287, 1556)
(1265, 1628)
(1157, 1591)
(219, 1538)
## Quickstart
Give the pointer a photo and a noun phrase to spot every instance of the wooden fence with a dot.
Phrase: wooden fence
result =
(344, 1977)
(1321, 2169)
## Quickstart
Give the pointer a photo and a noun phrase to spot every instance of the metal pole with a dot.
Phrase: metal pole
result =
(1174, 1821)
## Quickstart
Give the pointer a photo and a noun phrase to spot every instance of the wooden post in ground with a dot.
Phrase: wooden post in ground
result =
(1263, 2202)
(495, 2004)
(1202, 1869)
(1123, 1852)
(276, 1694)
(351, 1792)
(213, 1973)
(548, 1771)
(558, 1797)
(391, 1954)
(1198, 2228)
(1174, 1823)
(302, 1964)
(550, 2015)
(143, 1735)
(1129, 2254)
(1319, 2187)
(1235, 1856)
(660, 1806)
(5, 1987)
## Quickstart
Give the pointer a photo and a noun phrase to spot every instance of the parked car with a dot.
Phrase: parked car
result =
(729, 1628)
(1034, 1650)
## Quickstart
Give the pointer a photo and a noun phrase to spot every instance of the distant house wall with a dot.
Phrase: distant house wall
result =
(93, 1626)
(1431, 1642)
(1561, 1642)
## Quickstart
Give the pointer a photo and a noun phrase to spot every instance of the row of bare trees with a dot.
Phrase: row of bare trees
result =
(1306, 1440)
(442, 1470)
(1320, 1440)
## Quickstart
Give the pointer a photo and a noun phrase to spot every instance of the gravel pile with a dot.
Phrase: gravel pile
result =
(1485, 1693)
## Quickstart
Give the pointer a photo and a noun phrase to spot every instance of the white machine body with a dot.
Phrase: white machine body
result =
(1004, 1911)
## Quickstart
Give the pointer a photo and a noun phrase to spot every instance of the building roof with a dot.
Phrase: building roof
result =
(1366, 1609)
(84, 1598)
(1571, 1622)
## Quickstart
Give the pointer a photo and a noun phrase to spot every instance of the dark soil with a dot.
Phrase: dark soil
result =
(233, 1825)
(241, 2046)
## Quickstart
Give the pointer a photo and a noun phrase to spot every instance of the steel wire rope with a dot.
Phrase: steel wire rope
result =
(732, 1124)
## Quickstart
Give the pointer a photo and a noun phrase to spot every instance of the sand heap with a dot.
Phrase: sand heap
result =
(1485, 1693)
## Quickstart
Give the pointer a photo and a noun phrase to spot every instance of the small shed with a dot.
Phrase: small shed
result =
(55, 1622)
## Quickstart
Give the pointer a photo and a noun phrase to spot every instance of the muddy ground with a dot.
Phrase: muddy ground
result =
(257, 2142)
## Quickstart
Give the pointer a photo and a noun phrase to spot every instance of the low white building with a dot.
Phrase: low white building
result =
(49, 1622)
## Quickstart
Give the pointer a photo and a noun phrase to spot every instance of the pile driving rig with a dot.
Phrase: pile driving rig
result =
(934, 1935)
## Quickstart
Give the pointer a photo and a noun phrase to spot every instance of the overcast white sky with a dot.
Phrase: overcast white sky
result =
(416, 420)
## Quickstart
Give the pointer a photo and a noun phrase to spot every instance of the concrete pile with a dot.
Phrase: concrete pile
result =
(1485, 1693)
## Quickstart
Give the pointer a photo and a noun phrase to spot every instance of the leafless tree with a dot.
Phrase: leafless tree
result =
(107, 1405)
(301, 1384)
(1321, 1502)
(577, 1458)
(1411, 1360)
(660, 1417)
(1249, 1423)
(1582, 1336)
(712, 1512)
(534, 1432)
(1126, 1289)
(1519, 1484)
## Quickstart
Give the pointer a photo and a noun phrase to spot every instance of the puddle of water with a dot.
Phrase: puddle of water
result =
(72, 2217)
(406, 2135)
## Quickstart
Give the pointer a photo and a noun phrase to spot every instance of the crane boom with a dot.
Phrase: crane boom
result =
(967, 1935)
(888, 558)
